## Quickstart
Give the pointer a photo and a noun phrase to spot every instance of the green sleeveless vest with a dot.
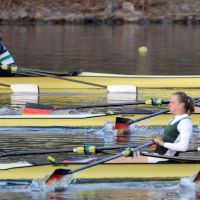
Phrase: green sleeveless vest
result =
(170, 135)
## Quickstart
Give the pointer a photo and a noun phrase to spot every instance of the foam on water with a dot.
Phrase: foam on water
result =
(7, 111)
(187, 188)
(61, 185)
(187, 183)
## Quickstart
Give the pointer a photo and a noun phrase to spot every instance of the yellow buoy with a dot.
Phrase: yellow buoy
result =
(142, 50)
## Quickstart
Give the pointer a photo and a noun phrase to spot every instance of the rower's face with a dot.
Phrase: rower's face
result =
(176, 107)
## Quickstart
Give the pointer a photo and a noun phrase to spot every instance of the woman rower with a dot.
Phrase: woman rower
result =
(176, 135)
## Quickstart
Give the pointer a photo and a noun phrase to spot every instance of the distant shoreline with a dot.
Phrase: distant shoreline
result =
(108, 21)
(100, 12)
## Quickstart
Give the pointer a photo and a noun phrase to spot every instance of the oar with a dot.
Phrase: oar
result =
(22, 88)
(59, 173)
(32, 108)
(87, 150)
(110, 88)
(196, 178)
(72, 73)
(122, 124)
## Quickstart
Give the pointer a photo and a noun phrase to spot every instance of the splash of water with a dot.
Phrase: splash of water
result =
(187, 188)
(56, 186)
(7, 111)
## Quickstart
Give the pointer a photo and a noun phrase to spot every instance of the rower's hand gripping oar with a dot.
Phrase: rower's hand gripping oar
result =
(58, 174)
(110, 88)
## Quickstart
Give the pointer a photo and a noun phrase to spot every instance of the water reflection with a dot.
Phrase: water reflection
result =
(144, 191)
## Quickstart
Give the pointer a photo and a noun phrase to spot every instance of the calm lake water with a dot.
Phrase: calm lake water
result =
(172, 49)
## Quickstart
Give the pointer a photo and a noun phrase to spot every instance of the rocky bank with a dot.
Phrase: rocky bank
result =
(99, 11)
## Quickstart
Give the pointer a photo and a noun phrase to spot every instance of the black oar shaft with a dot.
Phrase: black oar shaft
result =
(64, 78)
(5, 85)
(115, 147)
(100, 105)
(149, 116)
(26, 153)
(70, 73)
(153, 101)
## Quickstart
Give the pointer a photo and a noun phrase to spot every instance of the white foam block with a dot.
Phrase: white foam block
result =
(25, 88)
(122, 97)
(122, 88)
(20, 99)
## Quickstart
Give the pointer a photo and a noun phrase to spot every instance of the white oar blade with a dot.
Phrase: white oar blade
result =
(25, 88)
(122, 88)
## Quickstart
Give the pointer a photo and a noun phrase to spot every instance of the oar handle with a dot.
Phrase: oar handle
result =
(149, 116)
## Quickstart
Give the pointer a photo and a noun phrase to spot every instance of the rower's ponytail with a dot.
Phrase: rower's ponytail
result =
(187, 100)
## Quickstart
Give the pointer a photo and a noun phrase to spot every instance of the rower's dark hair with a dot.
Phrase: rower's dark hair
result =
(187, 100)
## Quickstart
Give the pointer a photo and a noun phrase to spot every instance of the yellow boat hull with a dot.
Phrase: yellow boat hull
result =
(46, 83)
(106, 171)
(97, 120)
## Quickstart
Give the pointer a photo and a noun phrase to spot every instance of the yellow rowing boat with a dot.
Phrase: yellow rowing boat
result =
(26, 171)
(140, 81)
(84, 120)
